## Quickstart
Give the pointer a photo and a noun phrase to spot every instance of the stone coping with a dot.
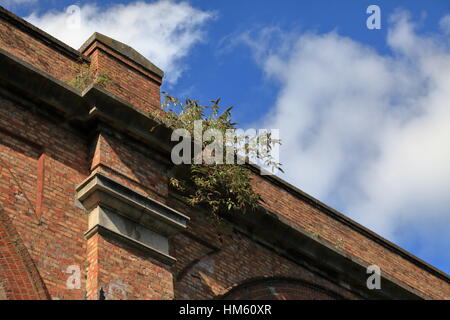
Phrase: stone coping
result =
(124, 50)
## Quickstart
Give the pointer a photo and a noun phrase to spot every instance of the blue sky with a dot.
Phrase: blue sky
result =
(363, 113)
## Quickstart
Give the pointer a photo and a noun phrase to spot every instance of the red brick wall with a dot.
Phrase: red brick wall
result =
(92, 284)
(54, 237)
(19, 278)
(129, 81)
(350, 241)
(123, 273)
(121, 159)
(37, 53)
(211, 262)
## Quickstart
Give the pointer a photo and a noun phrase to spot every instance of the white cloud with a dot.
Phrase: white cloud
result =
(366, 132)
(445, 24)
(163, 31)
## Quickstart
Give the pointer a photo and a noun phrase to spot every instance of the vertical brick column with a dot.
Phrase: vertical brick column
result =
(92, 283)
(127, 236)
(129, 75)
(127, 241)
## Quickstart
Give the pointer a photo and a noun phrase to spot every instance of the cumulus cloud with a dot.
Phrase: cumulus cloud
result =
(365, 132)
(445, 24)
(163, 31)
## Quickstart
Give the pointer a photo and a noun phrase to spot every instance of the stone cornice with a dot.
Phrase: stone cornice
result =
(98, 189)
(122, 237)
(116, 210)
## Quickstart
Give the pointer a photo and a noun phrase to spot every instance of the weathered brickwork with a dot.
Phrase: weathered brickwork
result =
(92, 283)
(121, 159)
(45, 156)
(54, 239)
(212, 262)
(19, 278)
(34, 51)
(349, 241)
(127, 79)
(125, 273)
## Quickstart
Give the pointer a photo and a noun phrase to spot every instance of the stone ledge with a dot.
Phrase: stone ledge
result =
(117, 210)
(112, 225)
(101, 190)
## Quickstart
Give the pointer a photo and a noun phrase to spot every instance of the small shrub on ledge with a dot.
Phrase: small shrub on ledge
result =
(217, 180)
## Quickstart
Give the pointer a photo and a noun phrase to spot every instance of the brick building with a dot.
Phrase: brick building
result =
(84, 195)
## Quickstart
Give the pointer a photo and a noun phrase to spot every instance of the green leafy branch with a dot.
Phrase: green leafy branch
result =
(222, 187)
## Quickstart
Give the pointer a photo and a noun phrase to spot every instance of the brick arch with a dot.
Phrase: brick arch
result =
(279, 289)
(19, 277)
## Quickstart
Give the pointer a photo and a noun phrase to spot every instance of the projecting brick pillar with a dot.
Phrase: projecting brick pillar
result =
(129, 228)
(127, 241)
(130, 75)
